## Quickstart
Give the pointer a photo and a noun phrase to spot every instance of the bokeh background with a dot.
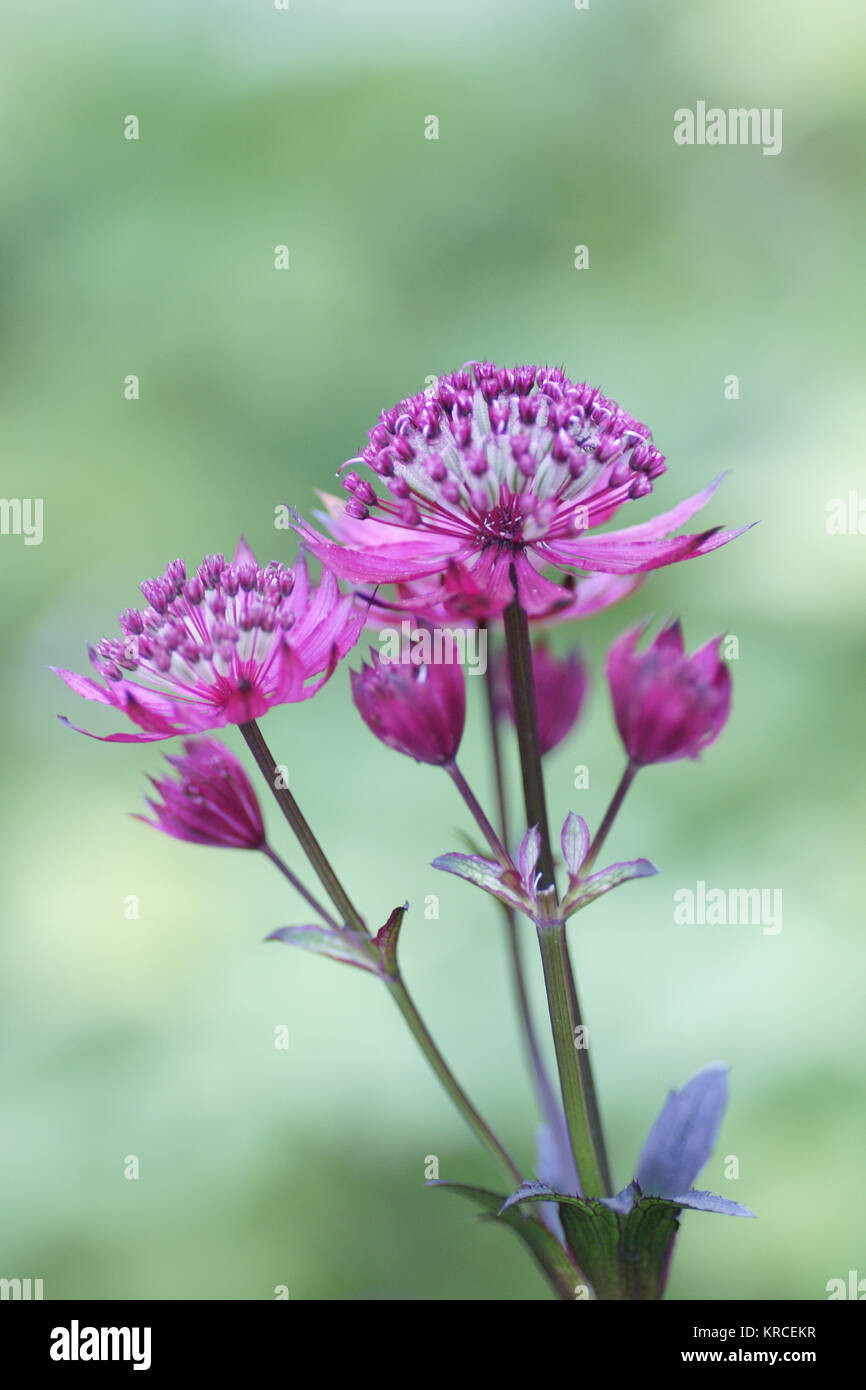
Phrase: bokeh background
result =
(155, 1037)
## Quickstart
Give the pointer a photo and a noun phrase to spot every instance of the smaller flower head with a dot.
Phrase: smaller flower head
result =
(418, 708)
(210, 802)
(667, 704)
(560, 688)
(219, 647)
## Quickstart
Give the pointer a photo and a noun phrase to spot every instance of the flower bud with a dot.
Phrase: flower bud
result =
(667, 704)
(415, 707)
(560, 688)
(211, 802)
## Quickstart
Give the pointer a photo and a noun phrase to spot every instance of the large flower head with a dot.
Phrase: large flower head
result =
(458, 597)
(495, 474)
(219, 647)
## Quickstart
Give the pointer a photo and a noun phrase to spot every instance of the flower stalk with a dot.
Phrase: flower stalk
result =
(543, 1089)
(478, 814)
(299, 887)
(568, 1043)
(582, 1113)
(420, 1032)
(392, 976)
(610, 815)
(298, 822)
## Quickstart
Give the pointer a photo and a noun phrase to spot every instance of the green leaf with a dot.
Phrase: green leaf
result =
(624, 1255)
(546, 1250)
(343, 945)
(494, 878)
(645, 1245)
(584, 891)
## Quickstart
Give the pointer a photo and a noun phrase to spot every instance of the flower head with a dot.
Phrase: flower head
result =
(418, 708)
(458, 597)
(496, 473)
(560, 688)
(667, 704)
(210, 802)
(220, 647)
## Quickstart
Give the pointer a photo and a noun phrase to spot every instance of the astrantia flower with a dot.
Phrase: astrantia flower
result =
(667, 704)
(499, 472)
(220, 647)
(417, 708)
(210, 801)
(560, 687)
(458, 598)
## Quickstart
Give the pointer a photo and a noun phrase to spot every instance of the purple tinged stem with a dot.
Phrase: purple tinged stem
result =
(299, 887)
(298, 822)
(478, 814)
(422, 1036)
(526, 722)
(610, 815)
(394, 981)
(543, 1088)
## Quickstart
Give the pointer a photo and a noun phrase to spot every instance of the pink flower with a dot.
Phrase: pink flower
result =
(560, 687)
(667, 705)
(458, 598)
(415, 708)
(219, 648)
(496, 474)
(211, 802)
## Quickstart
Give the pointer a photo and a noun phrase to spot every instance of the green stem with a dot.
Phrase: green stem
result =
(526, 723)
(480, 818)
(421, 1034)
(577, 1083)
(543, 1088)
(296, 819)
(594, 1181)
(393, 981)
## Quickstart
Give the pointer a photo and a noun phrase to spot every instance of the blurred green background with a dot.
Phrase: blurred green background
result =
(155, 1037)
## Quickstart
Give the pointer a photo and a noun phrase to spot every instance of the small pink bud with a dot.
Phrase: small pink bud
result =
(415, 708)
(667, 704)
(210, 802)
